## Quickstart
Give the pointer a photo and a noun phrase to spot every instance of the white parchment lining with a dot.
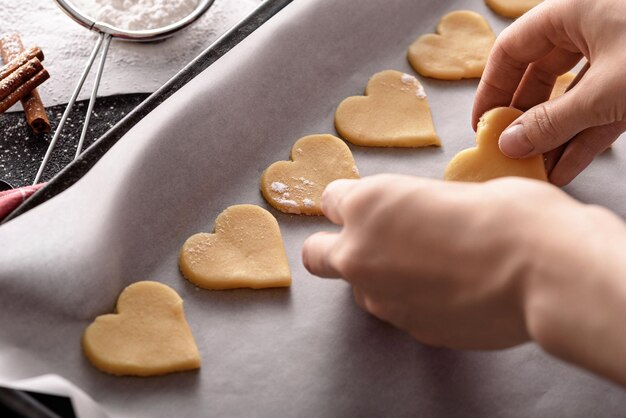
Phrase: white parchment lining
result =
(305, 351)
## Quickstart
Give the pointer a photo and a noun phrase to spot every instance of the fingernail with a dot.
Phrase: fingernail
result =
(514, 143)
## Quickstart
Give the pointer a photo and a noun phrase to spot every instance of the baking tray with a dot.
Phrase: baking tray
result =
(75, 170)
(306, 351)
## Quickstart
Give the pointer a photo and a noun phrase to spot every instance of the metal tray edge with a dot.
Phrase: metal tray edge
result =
(78, 168)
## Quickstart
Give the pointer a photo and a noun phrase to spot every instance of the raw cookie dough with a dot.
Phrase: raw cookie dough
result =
(486, 162)
(512, 8)
(296, 186)
(147, 336)
(459, 49)
(561, 85)
(393, 113)
(246, 250)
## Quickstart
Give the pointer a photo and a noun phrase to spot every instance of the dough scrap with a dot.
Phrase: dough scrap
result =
(562, 84)
(148, 335)
(459, 49)
(296, 186)
(393, 113)
(486, 161)
(246, 250)
(512, 8)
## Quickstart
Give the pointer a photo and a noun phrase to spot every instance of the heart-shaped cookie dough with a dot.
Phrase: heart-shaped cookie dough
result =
(245, 250)
(393, 113)
(562, 84)
(296, 186)
(459, 49)
(147, 336)
(486, 161)
(512, 8)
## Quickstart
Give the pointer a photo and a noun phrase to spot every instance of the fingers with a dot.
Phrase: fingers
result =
(553, 157)
(527, 40)
(581, 151)
(359, 297)
(332, 197)
(539, 79)
(371, 306)
(317, 255)
(549, 125)
(390, 311)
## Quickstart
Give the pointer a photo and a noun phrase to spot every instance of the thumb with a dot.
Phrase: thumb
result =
(549, 125)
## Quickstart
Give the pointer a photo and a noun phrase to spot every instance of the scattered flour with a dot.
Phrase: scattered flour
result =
(130, 68)
(413, 83)
(306, 182)
(137, 14)
(287, 202)
(308, 203)
(407, 79)
(279, 187)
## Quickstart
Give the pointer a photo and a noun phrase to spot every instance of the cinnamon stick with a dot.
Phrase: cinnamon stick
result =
(23, 90)
(19, 60)
(18, 77)
(10, 47)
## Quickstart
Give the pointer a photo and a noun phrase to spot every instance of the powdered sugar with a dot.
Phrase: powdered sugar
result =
(407, 79)
(306, 182)
(279, 187)
(414, 84)
(286, 202)
(130, 68)
(420, 92)
(137, 14)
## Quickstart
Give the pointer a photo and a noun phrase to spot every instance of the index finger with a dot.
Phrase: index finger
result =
(332, 197)
(530, 38)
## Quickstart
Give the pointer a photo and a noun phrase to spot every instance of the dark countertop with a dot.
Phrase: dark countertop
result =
(21, 151)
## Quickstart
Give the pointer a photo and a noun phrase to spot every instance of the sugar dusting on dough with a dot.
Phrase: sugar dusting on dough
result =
(286, 202)
(407, 79)
(308, 203)
(289, 205)
(413, 83)
(279, 187)
(197, 252)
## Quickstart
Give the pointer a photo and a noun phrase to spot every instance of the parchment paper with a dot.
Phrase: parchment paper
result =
(307, 351)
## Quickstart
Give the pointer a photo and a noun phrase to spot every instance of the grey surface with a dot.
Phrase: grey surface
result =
(304, 351)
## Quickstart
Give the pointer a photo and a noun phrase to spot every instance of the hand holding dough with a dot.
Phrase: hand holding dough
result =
(486, 161)
(512, 8)
(393, 113)
(459, 49)
(147, 336)
(246, 250)
(296, 186)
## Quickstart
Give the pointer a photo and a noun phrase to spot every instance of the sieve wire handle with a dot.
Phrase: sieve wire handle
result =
(94, 93)
(102, 37)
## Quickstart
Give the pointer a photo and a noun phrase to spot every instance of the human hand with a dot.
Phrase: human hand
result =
(481, 266)
(524, 64)
(443, 261)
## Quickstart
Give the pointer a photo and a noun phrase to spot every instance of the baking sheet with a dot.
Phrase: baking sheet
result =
(304, 351)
